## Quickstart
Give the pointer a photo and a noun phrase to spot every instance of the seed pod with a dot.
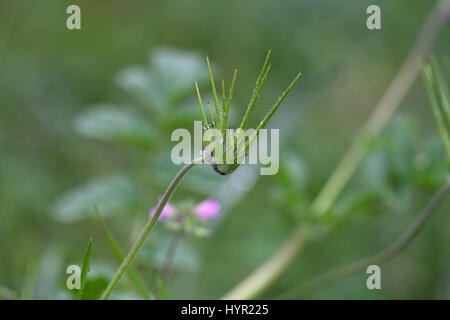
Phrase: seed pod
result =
(224, 153)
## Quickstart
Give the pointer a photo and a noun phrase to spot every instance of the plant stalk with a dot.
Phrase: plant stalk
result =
(148, 227)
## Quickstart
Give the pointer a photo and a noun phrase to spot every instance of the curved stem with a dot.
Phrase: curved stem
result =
(148, 227)
(381, 257)
(354, 156)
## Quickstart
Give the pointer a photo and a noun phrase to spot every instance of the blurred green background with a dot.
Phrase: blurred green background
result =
(86, 117)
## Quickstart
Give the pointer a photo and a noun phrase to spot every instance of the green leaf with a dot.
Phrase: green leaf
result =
(186, 114)
(142, 85)
(112, 194)
(96, 283)
(48, 278)
(178, 71)
(94, 287)
(85, 269)
(293, 172)
(8, 294)
(430, 170)
(375, 172)
(115, 124)
(357, 201)
(399, 145)
(134, 277)
(293, 179)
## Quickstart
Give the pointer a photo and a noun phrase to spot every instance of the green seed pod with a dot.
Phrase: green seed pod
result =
(224, 152)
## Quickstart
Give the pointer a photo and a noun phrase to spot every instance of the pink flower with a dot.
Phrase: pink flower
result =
(167, 211)
(208, 209)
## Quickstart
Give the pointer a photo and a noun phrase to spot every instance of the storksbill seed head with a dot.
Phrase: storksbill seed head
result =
(225, 153)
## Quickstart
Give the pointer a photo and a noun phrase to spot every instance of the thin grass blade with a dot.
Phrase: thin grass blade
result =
(162, 288)
(427, 77)
(441, 90)
(134, 277)
(85, 269)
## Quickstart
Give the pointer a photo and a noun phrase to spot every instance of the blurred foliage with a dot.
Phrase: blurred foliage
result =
(86, 117)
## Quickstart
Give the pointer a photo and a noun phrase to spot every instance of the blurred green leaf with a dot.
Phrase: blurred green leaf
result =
(292, 176)
(85, 269)
(49, 276)
(375, 172)
(7, 294)
(430, 170)
(168, 79)
(354, 202)
(115, 124)
(94, 287)
(178, 70)
(389, 169)
(111, 194)
(184, 117)
(96, 283)
(400, 146)
(143, 86)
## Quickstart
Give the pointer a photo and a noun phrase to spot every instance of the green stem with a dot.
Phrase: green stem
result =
(381, 257)
(148, 227)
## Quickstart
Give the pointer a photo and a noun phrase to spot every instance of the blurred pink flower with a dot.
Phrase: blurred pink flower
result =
(167, 211)
(208, 209)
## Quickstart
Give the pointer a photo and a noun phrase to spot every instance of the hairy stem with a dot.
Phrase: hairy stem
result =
(381, 257)
(399, 86)
(148, 227)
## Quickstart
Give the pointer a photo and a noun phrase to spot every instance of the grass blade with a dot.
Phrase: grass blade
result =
(162, 288)
(427, 77)
(131, 273)
(441, 90)
(85, 269)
